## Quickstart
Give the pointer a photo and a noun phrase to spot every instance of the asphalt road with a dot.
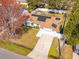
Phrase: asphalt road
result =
(6, 54)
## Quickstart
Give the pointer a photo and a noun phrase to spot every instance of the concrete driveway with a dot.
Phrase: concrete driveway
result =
(43, 45)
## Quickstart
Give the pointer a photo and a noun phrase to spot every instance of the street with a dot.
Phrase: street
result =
(6, 54)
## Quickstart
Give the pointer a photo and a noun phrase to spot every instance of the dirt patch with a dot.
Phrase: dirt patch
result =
(67, 52)
(28, 39)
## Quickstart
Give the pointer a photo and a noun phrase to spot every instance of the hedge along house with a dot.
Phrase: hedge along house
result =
(47, 19)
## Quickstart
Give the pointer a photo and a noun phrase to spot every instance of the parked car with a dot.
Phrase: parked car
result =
(30, 24)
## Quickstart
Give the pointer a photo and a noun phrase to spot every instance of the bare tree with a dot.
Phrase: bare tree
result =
(11, 19)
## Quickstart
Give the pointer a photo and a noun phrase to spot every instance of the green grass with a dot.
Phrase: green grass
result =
(22, 46)
(14, 47)
(77, 41)
(29, 38)
(53, 53)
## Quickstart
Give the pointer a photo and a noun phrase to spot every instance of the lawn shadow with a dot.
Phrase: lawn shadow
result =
(53, 57)
(23, 46)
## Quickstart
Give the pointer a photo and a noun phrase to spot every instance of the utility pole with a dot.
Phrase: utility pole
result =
(59, 48)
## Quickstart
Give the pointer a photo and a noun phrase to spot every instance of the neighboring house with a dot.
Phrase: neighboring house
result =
(48, 20)
(51, 10)
(77, 49)
(22, 2)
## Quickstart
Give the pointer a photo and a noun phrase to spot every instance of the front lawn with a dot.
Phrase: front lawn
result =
(53, 53)
(29, 38)
(66, 51)
(22, 46)
(14, 47)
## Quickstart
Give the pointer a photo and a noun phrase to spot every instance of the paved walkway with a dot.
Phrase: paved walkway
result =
(5, 54)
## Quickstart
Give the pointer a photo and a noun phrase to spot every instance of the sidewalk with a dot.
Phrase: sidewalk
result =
(6, 54)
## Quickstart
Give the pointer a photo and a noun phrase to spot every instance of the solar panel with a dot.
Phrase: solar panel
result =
(42, 18)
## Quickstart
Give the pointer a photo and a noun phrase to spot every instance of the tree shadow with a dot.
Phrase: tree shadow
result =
(54, 57)
(24, 46)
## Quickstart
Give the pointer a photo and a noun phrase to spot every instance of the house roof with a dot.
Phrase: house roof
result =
(48, 21)
(41, 18)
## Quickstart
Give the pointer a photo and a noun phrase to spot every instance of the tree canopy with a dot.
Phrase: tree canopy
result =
(57, 4)
(72, 28)
(11, 19)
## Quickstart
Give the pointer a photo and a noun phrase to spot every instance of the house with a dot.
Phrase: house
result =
(51, 10)
(48, 20)
(22, 2)
(77, 49)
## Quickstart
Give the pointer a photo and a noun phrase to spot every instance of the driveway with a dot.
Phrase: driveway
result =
(43, 45)
(49, 32)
